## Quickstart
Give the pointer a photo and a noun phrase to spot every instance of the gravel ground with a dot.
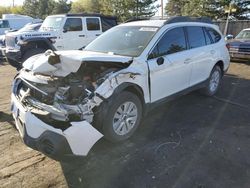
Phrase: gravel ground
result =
(193, 141)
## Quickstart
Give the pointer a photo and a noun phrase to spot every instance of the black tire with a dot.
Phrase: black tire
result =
(109, 110)
(31, 52)
(14, 63)
(209, 90)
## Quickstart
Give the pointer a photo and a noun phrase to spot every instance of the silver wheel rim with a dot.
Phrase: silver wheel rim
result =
(125, 118)
(214, 81)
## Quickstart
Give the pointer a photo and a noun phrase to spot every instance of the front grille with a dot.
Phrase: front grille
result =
(47, 99)
(23, 87)
(10, 41)
(47, 147)
(244, 49)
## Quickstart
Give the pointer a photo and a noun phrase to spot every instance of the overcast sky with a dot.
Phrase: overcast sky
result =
(20, 2)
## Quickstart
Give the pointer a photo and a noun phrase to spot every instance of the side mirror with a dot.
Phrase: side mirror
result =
(160, 60)
(229, 37)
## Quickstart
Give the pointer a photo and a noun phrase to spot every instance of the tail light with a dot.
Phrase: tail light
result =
(228, 46)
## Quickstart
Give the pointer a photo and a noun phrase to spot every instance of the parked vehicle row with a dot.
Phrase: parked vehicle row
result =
(63, 102)
(15, 22)
(58, 32)
(28, 28)
(239, 47)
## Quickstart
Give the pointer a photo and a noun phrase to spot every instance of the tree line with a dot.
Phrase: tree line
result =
(216, 9)
(127, 9)
(123, 9)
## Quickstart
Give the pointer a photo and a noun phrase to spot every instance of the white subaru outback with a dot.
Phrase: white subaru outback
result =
(63, 102)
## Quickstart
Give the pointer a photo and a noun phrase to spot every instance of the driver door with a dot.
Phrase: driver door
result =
(169, 65)
(73, 35)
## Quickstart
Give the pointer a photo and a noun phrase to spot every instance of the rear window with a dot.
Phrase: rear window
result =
(196, 37)
(93, 24)
(215, 36)
(207, 37)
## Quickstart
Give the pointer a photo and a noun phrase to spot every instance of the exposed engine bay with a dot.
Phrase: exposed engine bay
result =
(56, 96)
(65, 99)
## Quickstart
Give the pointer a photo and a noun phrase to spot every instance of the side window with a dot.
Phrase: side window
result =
(207, 37)
(173, 41)
(4, 24)
(196, 36)
(214, 34)
(93, 24)
(73, 24)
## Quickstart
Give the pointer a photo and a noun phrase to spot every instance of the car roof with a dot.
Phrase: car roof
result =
(160, 23)
(84, 15)
(149, 23)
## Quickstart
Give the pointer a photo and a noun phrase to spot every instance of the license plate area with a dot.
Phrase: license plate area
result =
(19, 122)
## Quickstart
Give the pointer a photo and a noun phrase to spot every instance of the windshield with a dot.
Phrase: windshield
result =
(51, 23)
(122, 40)
(245, 34)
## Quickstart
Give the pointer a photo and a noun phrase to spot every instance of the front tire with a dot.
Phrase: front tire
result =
(213, 82)
(123, 116)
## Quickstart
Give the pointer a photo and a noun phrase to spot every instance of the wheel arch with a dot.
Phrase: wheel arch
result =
(135, 89)
(220, 63)
(32, 43)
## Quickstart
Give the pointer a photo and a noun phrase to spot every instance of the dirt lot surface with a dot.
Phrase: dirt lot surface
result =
(192, 142)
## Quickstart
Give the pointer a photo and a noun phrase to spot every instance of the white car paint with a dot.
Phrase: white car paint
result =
(179, 71)
(39, 63)
(79, 132)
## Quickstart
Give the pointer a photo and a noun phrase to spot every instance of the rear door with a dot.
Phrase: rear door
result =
(202, 53)
(93, 28)
(169, 65)
(73, 34)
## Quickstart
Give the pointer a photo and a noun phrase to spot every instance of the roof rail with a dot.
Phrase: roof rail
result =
(136, 19)
(188, 19)
(91, 14)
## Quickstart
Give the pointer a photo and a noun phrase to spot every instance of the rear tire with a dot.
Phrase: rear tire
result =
(213, 82)
(14, 63)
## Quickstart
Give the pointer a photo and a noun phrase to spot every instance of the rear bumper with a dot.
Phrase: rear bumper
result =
(56, 143)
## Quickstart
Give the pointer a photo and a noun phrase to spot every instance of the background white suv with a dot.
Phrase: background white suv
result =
(58, 32)
(70, 99)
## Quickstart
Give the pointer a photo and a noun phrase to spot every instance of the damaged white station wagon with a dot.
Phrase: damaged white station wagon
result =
(63, 102)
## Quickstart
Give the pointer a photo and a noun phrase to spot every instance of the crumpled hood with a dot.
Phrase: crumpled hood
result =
(70, 61)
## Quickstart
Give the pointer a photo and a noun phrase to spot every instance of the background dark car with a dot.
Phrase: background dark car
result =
(239, 47)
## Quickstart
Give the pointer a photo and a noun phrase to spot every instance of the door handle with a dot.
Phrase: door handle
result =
(212, 51)
(81, 35)
(187, 61)
(97, 35)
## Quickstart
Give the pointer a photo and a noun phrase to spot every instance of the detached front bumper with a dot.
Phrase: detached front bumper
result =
(58, 144)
